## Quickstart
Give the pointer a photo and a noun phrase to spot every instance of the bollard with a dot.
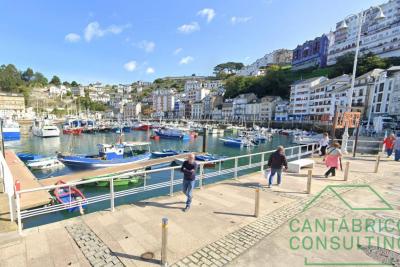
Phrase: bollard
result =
(346, 171)
(164, 241)
(378, 159)
(257, 203)
(235, 170)
(309, 178)
(262, 162)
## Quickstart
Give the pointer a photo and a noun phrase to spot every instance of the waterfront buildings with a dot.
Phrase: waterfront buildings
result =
(163, 102)
(281, 110)
(197, 89)
(312, 53)
(11, 105)
(380, 37)
(277, 57)
(300, 96)
(132, 110)
(78, 91)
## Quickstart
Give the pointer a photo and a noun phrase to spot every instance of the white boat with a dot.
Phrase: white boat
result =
(44, 163)
(11, 130)
(306, 139)
(44, 128)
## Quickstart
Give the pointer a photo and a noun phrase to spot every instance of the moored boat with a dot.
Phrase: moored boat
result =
(44, 128)
(11, 130)
(72, 126)
(109, 155)
(171, 134)
(44, 163)
(70, 196)
(167, 153)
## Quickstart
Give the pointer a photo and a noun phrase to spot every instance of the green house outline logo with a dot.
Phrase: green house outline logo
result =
(332, 188)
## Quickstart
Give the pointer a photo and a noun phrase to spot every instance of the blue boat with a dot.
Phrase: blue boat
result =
(207, 157)
(11, 130)
(237, 142)
(28, 156)
(167, 153)
(171, 134)
(109, 155)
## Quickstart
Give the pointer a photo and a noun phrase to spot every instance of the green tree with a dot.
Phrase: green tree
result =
(27, 75)
(74, 84)
(10, 78)
(224, 70)
(66, 84)
(369, 62)
(55, 80)
(39, 79)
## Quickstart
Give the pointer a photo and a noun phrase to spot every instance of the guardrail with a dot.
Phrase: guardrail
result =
(8, 182)
(174, 179)
(364, 146)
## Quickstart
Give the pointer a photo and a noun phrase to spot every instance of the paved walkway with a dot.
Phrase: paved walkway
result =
(220, 228)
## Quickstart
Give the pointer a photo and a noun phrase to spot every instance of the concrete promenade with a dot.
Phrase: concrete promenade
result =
(220, 229)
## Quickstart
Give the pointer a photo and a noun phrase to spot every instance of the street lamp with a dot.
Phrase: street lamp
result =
(361, 20)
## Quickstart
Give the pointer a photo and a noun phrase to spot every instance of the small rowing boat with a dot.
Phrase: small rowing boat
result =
(71, 196)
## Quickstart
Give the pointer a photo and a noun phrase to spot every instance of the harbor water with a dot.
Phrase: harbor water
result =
(87, 144)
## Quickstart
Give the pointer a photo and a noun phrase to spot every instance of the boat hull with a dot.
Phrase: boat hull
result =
(142, 128)
(11, 134)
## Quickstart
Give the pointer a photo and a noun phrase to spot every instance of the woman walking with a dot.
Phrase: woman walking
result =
(332, 159)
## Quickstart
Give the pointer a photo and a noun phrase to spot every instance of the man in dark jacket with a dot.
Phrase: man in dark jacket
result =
(189, 168)
(276, 162)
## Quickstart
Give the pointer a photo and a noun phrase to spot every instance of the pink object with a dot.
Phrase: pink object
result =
(332, 161)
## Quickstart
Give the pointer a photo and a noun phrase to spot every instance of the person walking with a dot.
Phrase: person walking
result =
(189, 168)
(332, 159)
(389, 144)
(276, 162)
(396, 148)
(324, 143)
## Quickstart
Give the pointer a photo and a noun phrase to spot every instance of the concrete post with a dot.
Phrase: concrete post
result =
(171, 187)
(112, 194)
(250, 160)
(346, 170)
(299, 155)
(378, 159)
(257, 203)
(164, 241)
(309, 179)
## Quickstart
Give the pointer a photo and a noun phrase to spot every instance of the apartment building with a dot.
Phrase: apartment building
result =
(163, 101)
(281, 110)
(267, 107)
(11, 105)
(378, 36)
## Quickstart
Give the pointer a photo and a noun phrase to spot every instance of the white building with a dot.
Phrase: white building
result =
(197, 89)
(381, 37)
(394, 105)
(267, 107)
(132, 110)
(197, 110)
(300, 97)
(321, 104)
(252, 110)
(239, 105)
(125, 88)
(78, 91)
(163, 101)
(55, 91)
(281, 110)
(227, 110)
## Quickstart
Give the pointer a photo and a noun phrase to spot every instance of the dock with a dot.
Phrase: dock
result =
(28, 181)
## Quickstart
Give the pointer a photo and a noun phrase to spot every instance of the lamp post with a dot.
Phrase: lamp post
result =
(360, 18)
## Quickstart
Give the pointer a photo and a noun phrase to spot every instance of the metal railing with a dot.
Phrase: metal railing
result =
(240, 163)
(8, 182)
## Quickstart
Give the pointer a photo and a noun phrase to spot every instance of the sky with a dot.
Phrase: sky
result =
(122, 41)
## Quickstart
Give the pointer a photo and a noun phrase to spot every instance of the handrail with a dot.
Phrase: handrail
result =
(295, 153)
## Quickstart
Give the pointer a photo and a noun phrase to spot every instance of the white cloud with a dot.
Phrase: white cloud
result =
(209, 13)
(189, 28)
(130, 66)
(72, 37)
(186, 60)
(150, 70)
(93, 30)
(178, 50)
(147, 46)
(236, 20)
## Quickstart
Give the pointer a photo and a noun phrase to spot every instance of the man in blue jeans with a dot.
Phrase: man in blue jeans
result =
(188, 168)
(276, 162)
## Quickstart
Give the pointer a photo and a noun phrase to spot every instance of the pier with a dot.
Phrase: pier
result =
(220, 229)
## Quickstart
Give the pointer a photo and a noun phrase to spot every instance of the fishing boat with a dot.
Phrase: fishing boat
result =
(141, 127)
(11, 130)
(305, 139)
(89, 126)
(24, 156)
(126, 127)
(70, 196)
(44, 128)
(167, 153)
(237, 142)
(209, 159)
(171, 134)
(46, 163)
(109, 155)
(72, 126)
(123, 181)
